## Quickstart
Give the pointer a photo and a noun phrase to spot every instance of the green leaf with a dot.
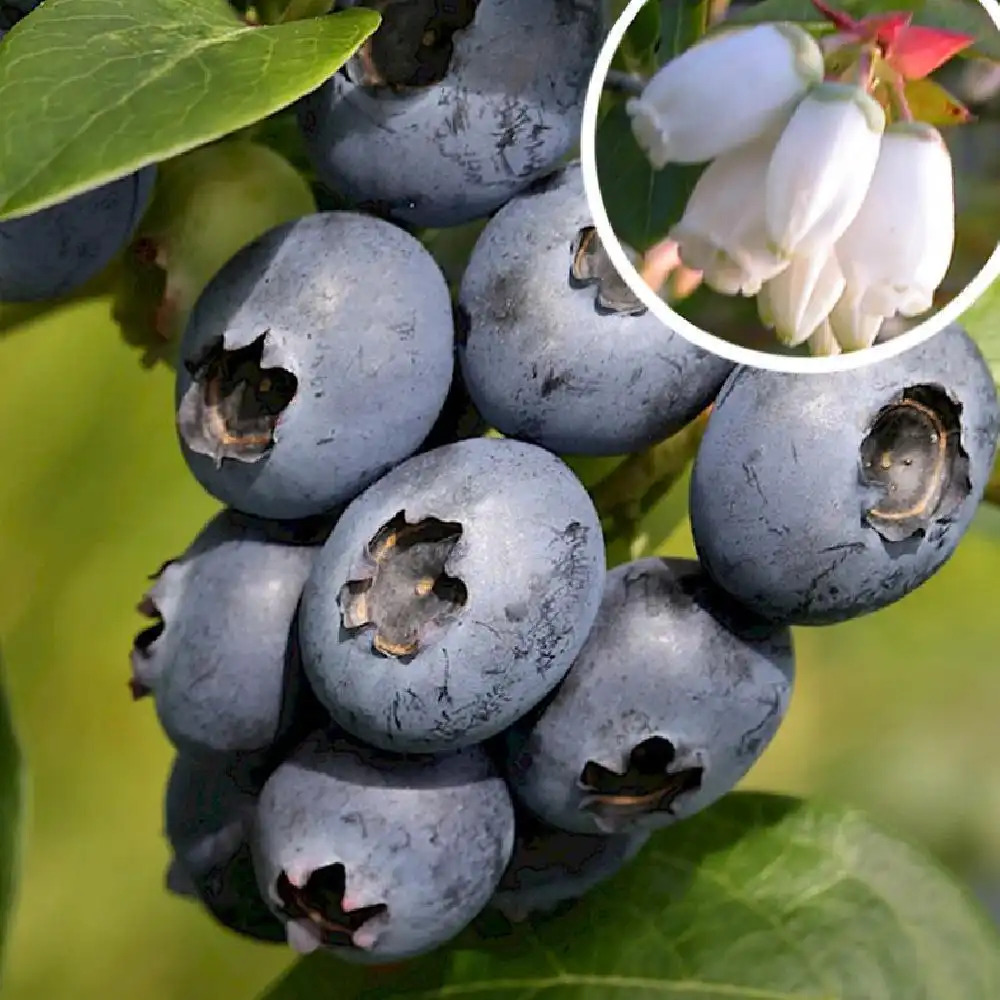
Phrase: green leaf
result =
(642, 203)
(802, 11)
(145, 81)
(279, 11)
(759, 898)
(982, 320)
(682, 23)
(641, 42)
(11, 805)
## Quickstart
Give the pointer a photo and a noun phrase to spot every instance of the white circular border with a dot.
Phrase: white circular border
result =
(701, 338)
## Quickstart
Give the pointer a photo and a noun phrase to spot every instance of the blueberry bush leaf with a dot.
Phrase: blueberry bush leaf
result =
(146, 81)
(966, 16)
(761, 897)
(11, 803)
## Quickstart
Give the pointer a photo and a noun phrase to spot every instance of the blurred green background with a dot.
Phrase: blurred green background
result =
(896, 712)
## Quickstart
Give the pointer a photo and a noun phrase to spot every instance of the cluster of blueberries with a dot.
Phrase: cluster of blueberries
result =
(402, 684)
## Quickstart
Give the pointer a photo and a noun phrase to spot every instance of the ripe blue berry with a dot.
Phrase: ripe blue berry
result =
(551, 867)
(208, 816)
(12, 11)
(317, 358)
(452, 595)
(51, 253)
(819, 498)
(377, 857)
(220, 658)
(460, 105)
(557, 349)
(676, 693)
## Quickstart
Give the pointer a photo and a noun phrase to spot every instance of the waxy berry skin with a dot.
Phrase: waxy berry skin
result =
(818, 498)
(305, 374)
(508, 107)
(378, 857)
(452, 595)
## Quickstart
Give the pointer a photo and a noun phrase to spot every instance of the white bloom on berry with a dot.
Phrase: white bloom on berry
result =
(898, 249)
(802, 296)
(724, 92)
(723, 232)
(822, 168)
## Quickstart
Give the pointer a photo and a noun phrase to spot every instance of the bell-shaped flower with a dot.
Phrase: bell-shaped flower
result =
(822, 168)
(724, 92)
(898, 249)
(722, 232)
(796, 301)
(854, 328)
(822, 343)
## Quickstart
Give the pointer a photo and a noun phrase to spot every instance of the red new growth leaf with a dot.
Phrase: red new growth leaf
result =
(843, 21)
(917, 52)
(912, 51)
(886, 30)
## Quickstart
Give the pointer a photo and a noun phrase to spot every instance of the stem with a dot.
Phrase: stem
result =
(619, 82)
(897, 89)
(631, 490)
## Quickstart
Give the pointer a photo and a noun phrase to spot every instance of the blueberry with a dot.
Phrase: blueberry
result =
(220, 657)
(452, 595)
(12, 11)
(51, 253)
(208, 818)
(317, 358)
(379, 858)
(460, 105)
(551, 867)
(557, 350)
(818, 498)
(677, 692)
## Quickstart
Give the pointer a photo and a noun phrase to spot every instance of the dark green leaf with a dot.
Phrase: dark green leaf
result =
(641, 203)
(682, 23)
(91, 90)
(11, 805)
(641, 42)
(759, 898)
(780, 10)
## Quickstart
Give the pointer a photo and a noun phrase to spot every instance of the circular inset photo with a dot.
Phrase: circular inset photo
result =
(797, 185)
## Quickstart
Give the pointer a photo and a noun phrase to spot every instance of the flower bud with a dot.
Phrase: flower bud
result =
(897, 250)
(822, 168)
(723, 231)
(802, 296)
(724, 92)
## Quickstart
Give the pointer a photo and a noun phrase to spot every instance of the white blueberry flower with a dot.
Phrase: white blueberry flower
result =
(724, 92)
(898, 249)
(822, 343)
(802, 296)
(723, 232)
(822, 167)
(854, 328)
